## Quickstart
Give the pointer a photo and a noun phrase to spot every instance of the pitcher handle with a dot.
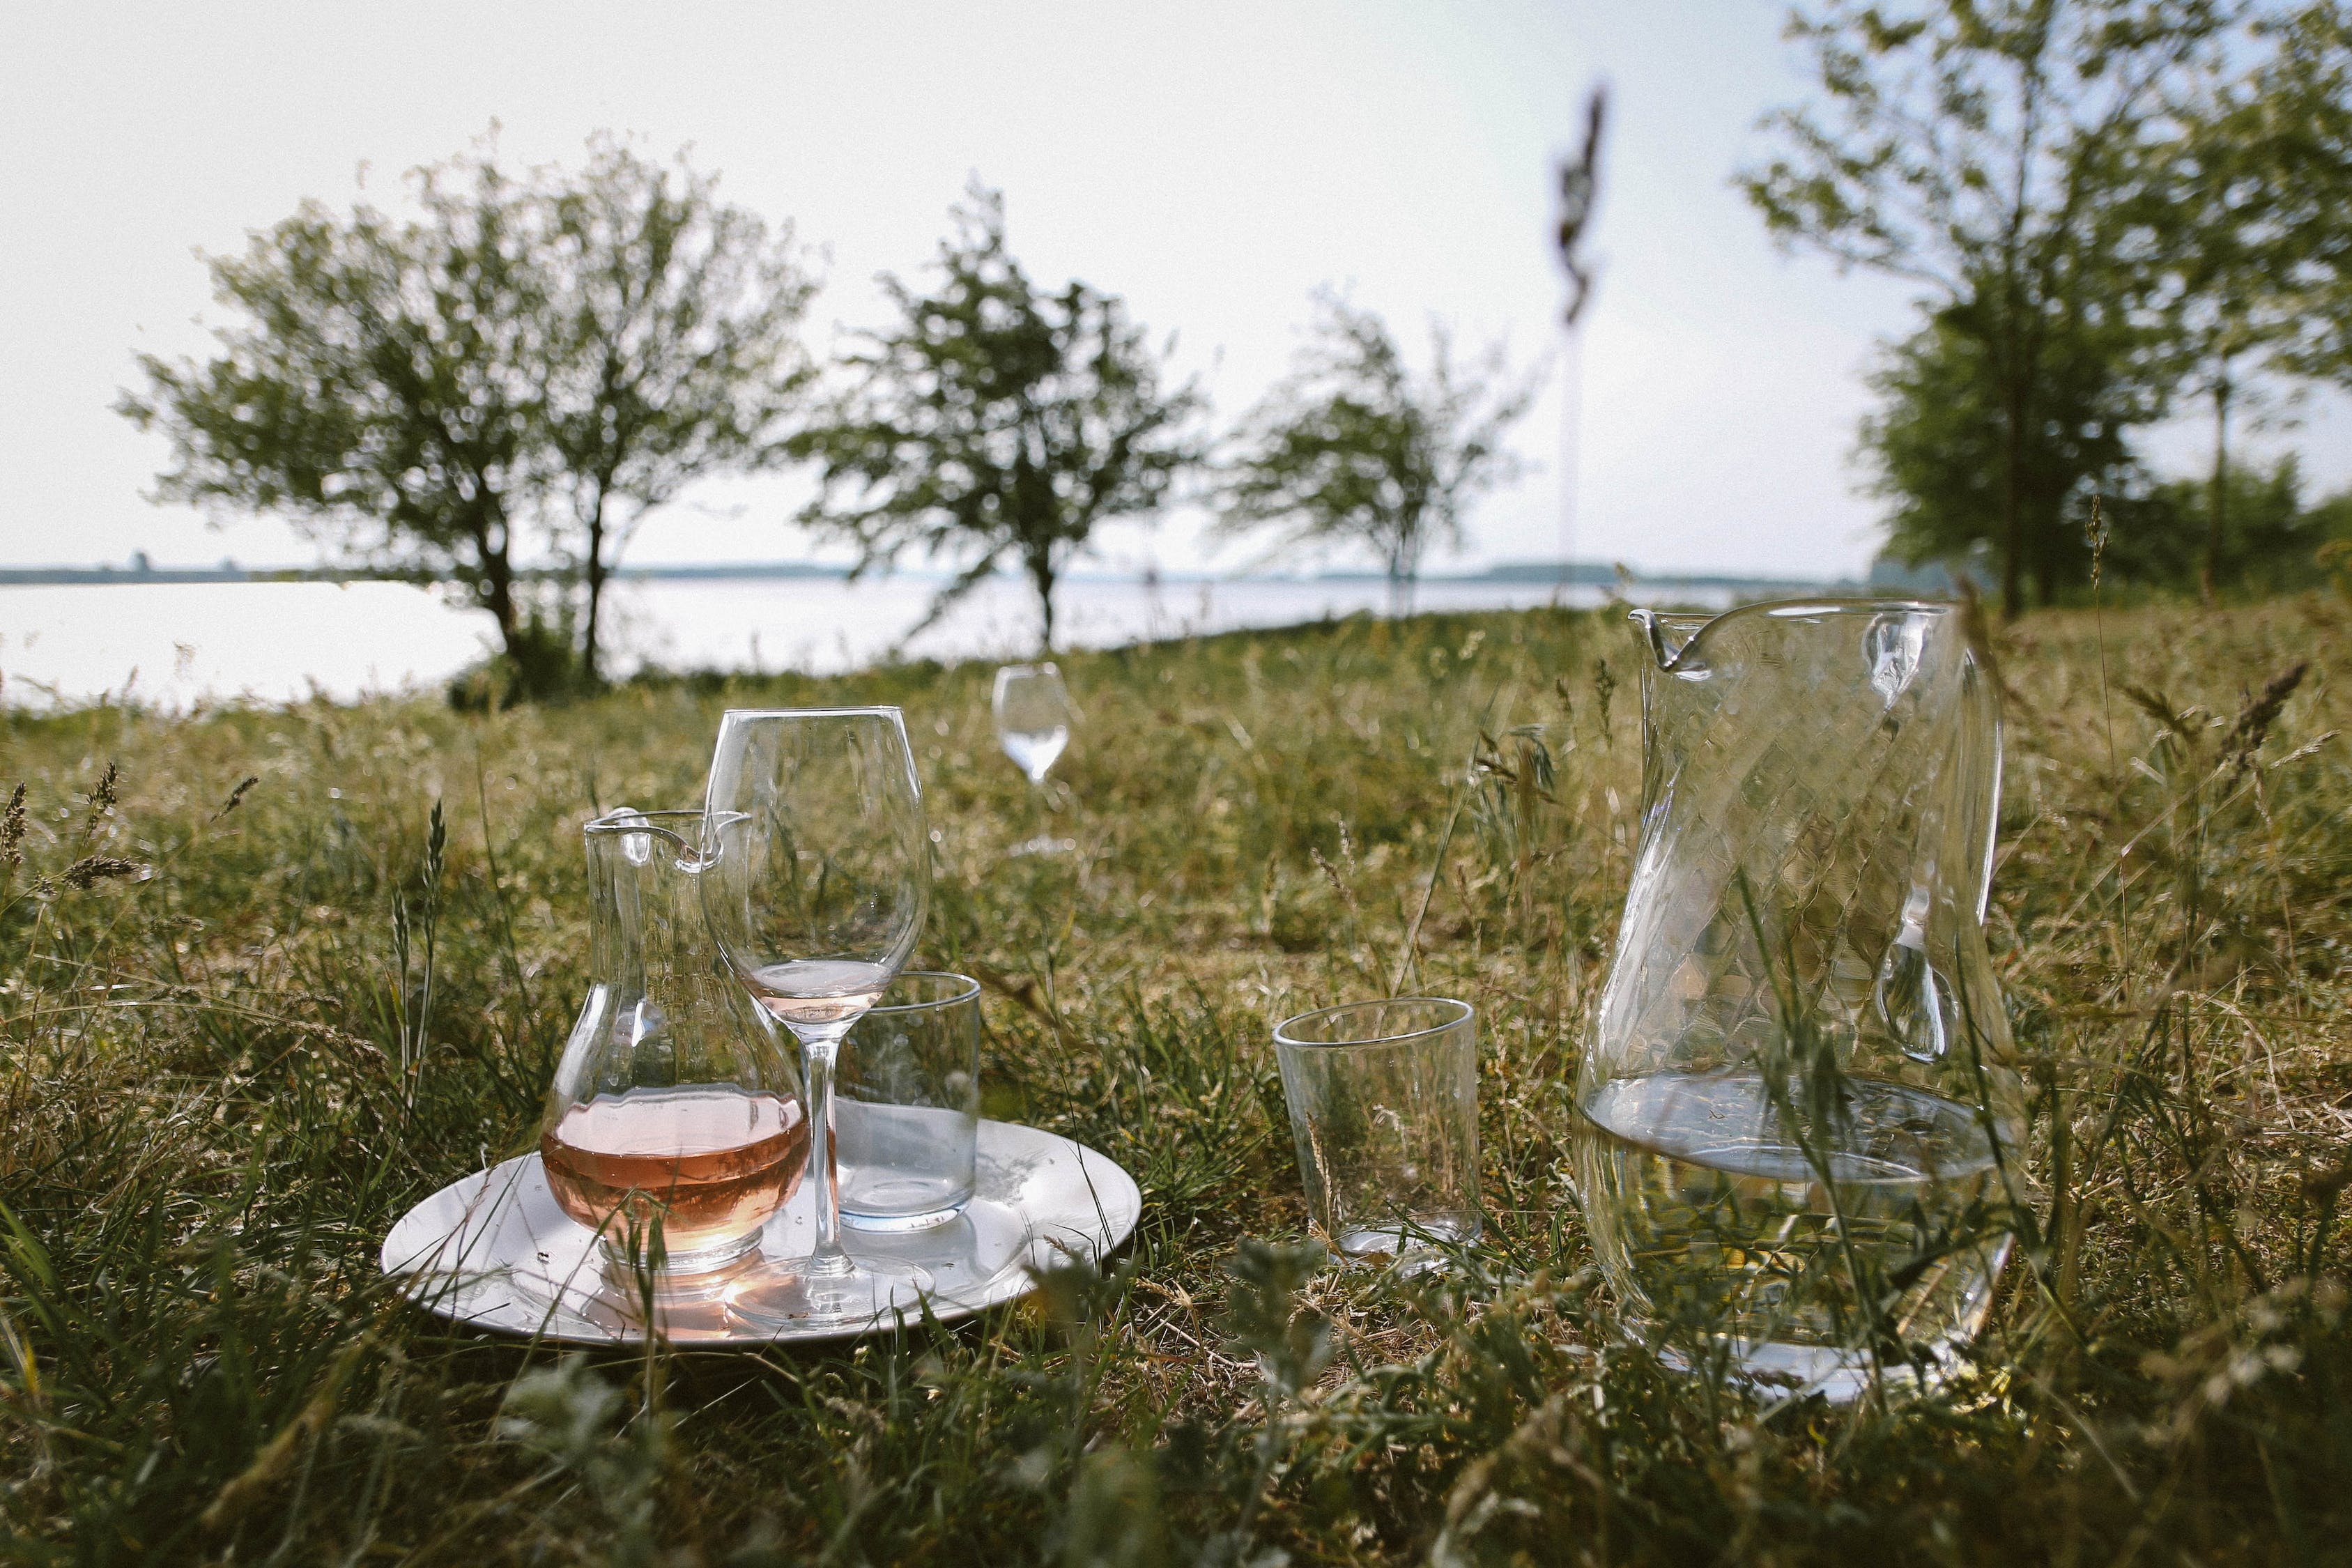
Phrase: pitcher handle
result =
(1980, 759)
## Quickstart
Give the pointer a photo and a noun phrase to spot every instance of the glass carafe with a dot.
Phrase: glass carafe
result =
(675, 1126)
(1799, 1139)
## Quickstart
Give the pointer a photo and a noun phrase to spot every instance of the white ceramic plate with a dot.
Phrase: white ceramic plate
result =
(494, 1252)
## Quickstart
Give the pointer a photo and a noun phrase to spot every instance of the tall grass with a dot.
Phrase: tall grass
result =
(244, 1024)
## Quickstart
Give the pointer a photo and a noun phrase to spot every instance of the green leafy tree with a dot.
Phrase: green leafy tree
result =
(2244, 218)
(996, 421)
(1937, 445)
(2236, 220)
(2164, 537)
(375, 389)
(1933, 449)
(677, 351)
(515, 375)
(2214, 307)
(2292, 128)
(1354, 448)
(1987, 150)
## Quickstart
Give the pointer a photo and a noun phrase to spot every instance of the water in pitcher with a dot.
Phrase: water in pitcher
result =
(1803, 1256)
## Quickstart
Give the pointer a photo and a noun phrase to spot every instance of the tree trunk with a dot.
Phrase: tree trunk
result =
(589, 674)
(1040, 574)
(2013, 502)
(497, 592)
(1404, 571)
(2217, 512)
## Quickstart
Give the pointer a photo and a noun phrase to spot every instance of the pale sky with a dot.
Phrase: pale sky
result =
(1213, 162)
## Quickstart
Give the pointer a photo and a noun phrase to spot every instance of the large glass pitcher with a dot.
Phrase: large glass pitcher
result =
(674, 1127)
(1801, 1125)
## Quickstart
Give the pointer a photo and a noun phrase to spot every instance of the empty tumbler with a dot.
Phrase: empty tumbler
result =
(1383, 1100)
(906, 1112)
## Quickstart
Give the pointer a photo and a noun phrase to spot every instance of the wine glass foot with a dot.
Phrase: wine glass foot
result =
(798, 1301)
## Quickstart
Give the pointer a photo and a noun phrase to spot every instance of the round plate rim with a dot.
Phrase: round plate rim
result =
(1118, 1198)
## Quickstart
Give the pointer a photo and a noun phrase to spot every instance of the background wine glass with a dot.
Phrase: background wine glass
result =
(1032, 724)
(819, 885)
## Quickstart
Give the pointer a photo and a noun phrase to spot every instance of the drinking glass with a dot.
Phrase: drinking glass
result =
(907, 1100)
(1383, 1100)
(816, 892)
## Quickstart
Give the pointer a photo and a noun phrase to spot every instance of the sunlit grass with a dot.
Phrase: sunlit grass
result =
(206, 1133)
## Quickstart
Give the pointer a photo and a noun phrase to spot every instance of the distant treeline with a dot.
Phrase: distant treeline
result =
(1577, 573)
(495, 393)
(2116, 211)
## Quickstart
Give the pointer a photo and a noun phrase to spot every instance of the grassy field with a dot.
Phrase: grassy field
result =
(206, 1009)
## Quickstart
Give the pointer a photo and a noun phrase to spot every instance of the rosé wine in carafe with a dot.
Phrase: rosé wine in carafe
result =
(673, 1111)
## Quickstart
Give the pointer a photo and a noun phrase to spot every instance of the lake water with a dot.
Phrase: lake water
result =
(172, 645)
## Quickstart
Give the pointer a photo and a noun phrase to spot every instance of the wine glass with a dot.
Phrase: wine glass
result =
(1033, 725)
(820, 880)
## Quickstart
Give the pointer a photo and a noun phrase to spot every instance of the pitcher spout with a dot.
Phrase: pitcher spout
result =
(1666, 633)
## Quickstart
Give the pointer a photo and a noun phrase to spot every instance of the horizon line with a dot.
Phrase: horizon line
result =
(1570, 571)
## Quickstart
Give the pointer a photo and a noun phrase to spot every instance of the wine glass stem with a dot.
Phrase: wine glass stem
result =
(817, 1053)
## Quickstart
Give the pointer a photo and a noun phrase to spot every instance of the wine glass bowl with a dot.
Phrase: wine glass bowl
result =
(1032, 716)
(819, 884)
